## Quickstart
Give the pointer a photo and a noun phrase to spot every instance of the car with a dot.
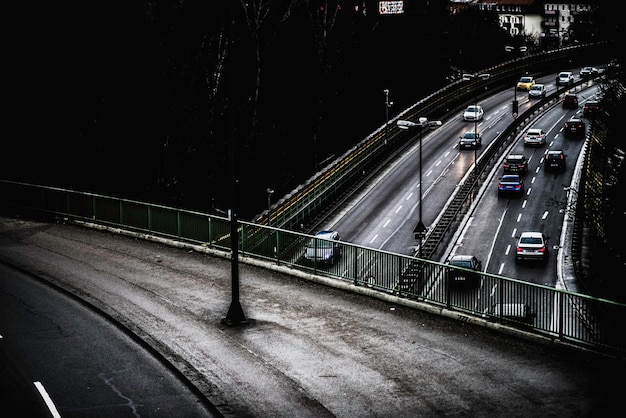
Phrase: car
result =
(535, 136)
(525, 83)
(531, 245)
(473, 113)
(511, 184)
(554, 161)
(463, 269)
(538, 91)
(515, 164)
(588, 72)
(574, 128)
(590, 108)
(470, 140)
(324, 247)
(570, 101)
(565, 78)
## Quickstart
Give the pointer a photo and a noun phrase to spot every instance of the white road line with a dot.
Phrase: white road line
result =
(47, 400)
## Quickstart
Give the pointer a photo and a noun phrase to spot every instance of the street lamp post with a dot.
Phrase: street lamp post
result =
(269, 206)
(475, 77)
(388, 104)
(420, 229)
(515, 103)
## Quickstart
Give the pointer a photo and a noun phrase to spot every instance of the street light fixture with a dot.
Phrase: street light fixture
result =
(388, 104)
(423, 122)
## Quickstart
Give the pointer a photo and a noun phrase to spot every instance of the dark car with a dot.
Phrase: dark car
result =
(515, 163)
(591, 108)
(555, 161)
(574, 128)
(570, 101)
(463, 269)
(588, 72)
(470, 140)
(511, 184)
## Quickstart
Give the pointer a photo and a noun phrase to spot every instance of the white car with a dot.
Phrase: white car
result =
(532, 246)
(565, 78)
(538, 91)
(473, 113)
(535, 136)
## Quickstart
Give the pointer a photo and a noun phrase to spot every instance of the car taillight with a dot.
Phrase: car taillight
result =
(542, 250)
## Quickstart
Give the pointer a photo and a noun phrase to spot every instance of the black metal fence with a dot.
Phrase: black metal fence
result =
(557, 314)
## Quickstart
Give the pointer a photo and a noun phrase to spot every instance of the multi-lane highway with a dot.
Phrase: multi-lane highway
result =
(385, 215)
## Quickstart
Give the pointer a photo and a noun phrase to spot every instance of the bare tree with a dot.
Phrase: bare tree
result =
(263, 18)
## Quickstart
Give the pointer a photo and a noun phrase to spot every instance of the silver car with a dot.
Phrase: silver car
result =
(538, 91)
(324, 248)
(535, 136)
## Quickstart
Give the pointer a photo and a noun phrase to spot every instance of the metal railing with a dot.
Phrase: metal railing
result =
(569, 317)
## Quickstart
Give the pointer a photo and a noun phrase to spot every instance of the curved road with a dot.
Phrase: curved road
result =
(307, 349)
(52, 345)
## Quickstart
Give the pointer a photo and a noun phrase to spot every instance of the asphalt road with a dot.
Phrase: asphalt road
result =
(309, 349)
(82, 361)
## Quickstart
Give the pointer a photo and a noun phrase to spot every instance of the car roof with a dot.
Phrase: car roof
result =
(526, 78)
(532, 234)
(509, 177)
(565, 73)
(555, 152)
(534, 130)
(537, 86)
(463, 257)
(515, 156)
(326, 234)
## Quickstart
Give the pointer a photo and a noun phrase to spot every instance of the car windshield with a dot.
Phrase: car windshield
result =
(526, 79)
(472, 109)
(469, 135)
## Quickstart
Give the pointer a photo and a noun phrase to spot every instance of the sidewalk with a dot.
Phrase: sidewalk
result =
(309, 349)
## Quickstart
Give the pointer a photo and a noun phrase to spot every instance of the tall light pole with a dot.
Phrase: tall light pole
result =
(515, 104)
(269, 205)
(475, 77)
(423, 122)
(388, 104)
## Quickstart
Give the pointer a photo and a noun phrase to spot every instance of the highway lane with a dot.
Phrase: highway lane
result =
(53, 346)
(496, 222)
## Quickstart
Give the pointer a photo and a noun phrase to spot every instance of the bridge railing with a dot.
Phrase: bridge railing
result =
(557, 314)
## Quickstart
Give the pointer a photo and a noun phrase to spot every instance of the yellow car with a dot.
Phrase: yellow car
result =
(525, 83)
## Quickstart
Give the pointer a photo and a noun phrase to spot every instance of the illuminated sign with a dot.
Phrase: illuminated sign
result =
(391, 7)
